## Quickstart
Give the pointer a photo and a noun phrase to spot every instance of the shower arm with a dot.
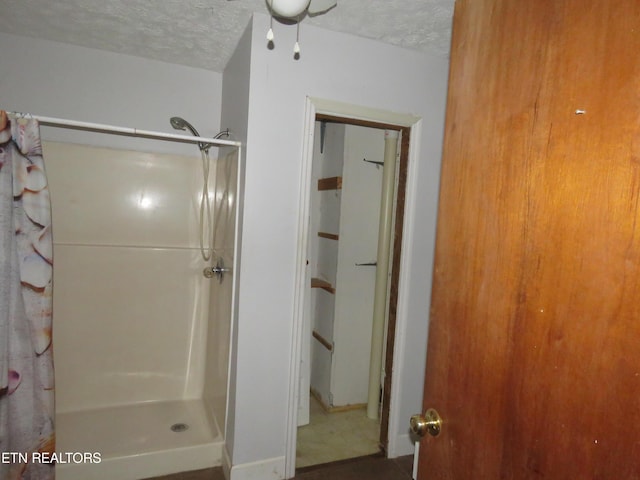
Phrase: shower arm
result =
(217, 136)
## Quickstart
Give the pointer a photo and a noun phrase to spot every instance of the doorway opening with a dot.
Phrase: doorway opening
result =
(335, 419)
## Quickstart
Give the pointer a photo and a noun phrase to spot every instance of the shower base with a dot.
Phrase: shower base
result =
(136, 441)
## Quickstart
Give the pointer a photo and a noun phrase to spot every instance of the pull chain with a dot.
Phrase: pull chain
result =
(270, 32)
(296, 47)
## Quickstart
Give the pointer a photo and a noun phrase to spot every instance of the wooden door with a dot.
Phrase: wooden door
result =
(534, 344)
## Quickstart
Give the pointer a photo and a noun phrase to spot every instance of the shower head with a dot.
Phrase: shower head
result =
(180, 123)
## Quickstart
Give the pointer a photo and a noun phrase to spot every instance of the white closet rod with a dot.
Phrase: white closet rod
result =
(133, 132)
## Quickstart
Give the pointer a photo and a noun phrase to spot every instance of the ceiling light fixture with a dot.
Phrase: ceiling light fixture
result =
(295, 10)
(289, 8)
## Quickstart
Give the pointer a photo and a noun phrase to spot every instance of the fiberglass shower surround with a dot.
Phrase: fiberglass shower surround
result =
(179, 123)
(139, 351)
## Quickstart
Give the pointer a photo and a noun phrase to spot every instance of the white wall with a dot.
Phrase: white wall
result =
(59, 80)
(355, 286)
(347, 69)
(235, 113)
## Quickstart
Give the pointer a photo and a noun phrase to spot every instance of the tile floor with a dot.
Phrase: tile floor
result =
(330, 437)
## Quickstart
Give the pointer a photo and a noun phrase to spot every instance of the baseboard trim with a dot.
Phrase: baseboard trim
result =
(403, 445)
(269, 469)
(335, 409)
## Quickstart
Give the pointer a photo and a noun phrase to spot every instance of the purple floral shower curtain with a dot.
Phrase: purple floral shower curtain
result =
(27, 437)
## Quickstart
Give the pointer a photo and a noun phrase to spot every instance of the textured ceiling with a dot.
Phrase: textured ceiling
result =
(203, 33)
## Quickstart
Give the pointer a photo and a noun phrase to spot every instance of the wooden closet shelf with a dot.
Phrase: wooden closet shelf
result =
(330, 236)
(330, 183)
(325, 343)
(323, 284)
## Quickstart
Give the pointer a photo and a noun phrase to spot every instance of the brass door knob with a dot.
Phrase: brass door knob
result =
(429, 423)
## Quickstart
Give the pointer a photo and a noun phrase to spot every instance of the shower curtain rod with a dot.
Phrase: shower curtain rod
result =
(132, 132)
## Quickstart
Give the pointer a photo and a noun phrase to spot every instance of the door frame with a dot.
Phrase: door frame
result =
(399, 121)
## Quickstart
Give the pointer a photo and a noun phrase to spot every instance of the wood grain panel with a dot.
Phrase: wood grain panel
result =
(533, 358)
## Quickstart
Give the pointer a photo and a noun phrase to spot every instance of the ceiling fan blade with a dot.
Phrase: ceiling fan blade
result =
(318, 7)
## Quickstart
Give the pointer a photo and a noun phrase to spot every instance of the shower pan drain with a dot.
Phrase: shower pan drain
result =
(179, 427)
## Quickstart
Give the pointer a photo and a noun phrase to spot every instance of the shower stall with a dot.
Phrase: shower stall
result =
(142, 321)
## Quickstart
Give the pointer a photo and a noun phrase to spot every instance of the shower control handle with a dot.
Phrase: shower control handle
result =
(219, 270)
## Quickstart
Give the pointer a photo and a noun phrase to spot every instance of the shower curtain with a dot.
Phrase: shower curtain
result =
(27, 439)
